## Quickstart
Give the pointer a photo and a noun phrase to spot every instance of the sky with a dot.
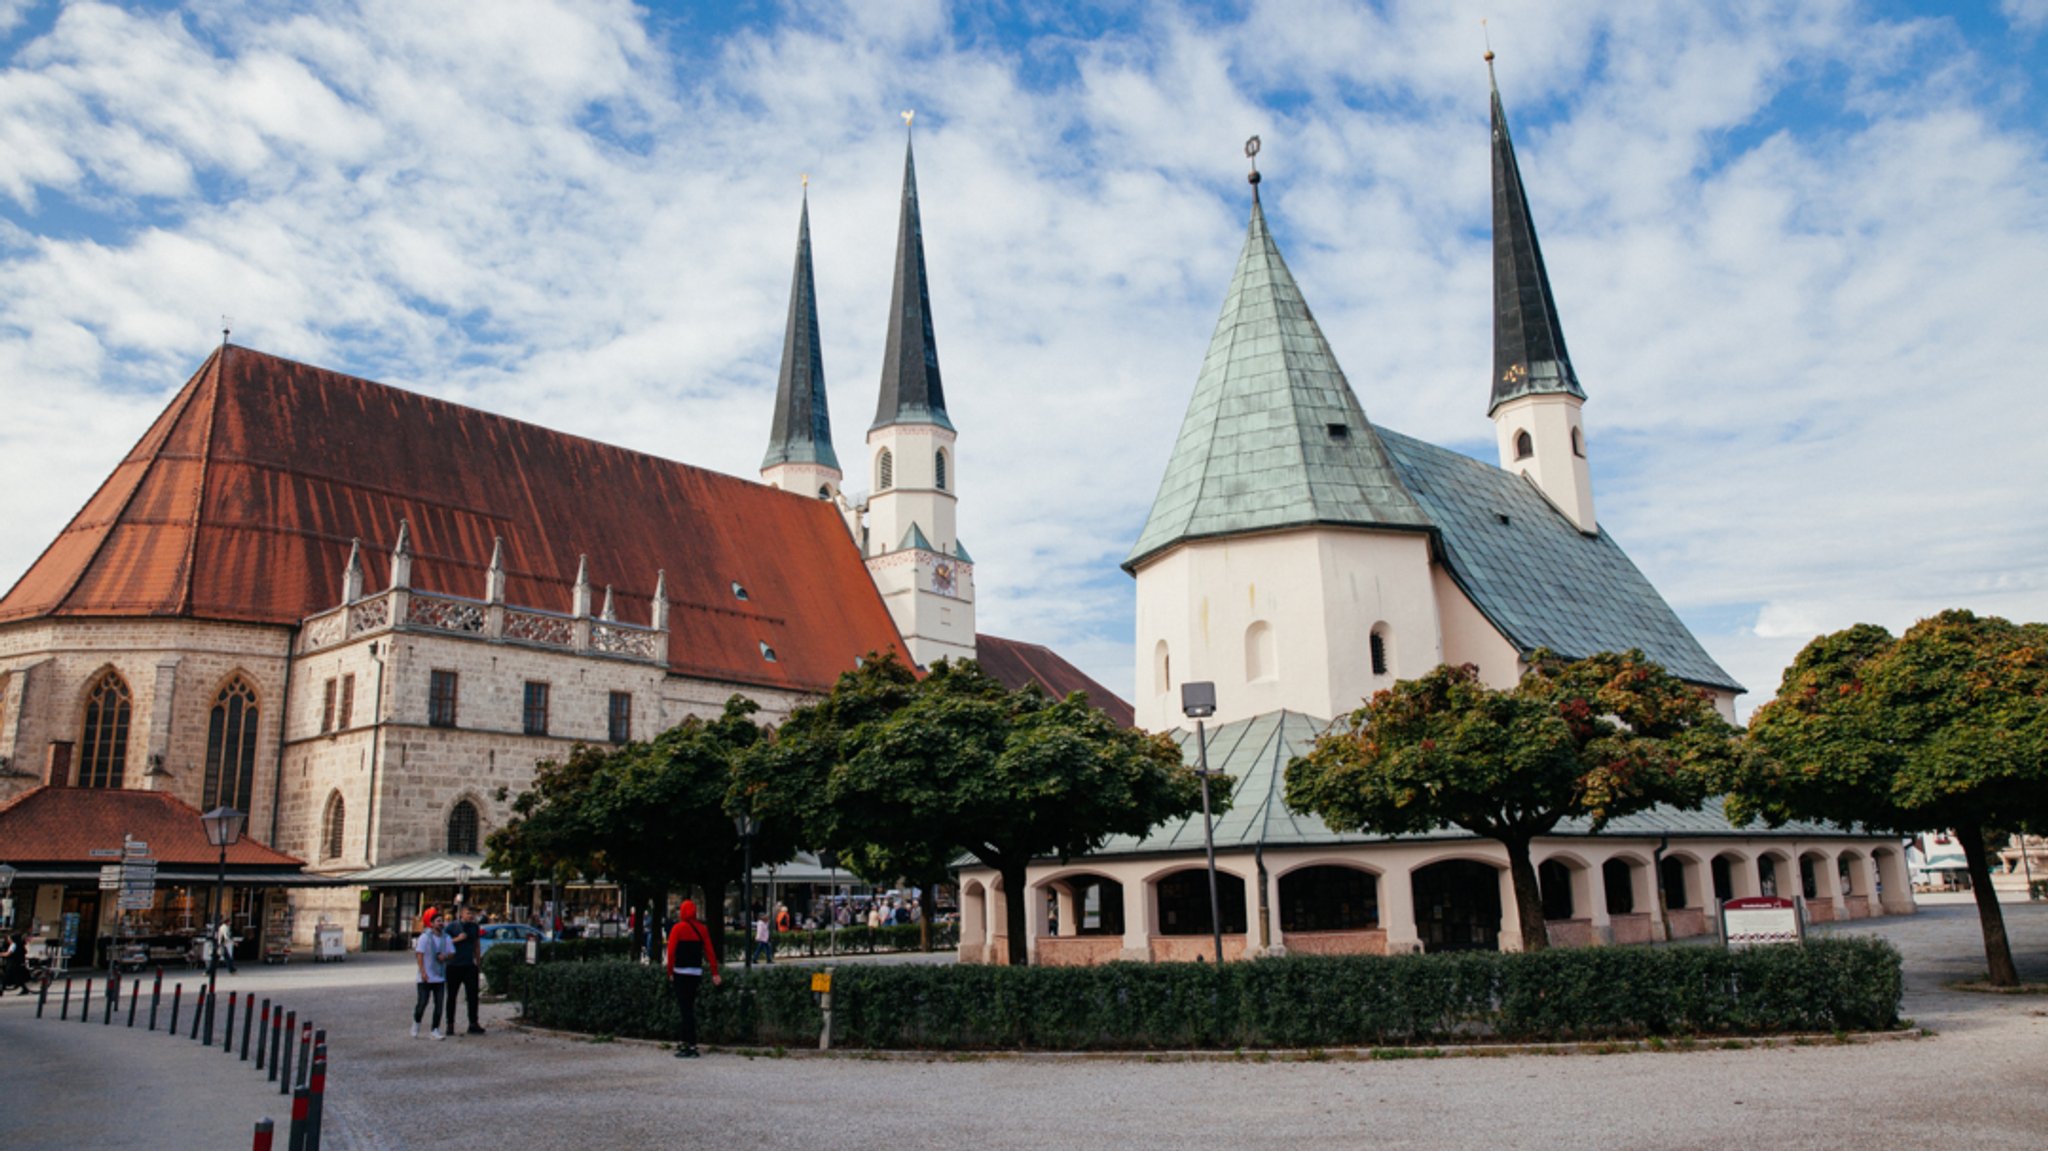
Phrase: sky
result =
(1797, 249)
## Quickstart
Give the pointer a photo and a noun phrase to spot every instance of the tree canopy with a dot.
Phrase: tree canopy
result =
(1945, 727)
(1594, 738)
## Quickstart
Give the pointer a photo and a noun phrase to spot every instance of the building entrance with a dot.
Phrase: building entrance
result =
(1457, 906)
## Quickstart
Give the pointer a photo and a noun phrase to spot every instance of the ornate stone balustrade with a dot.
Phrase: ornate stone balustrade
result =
(402, 609)
(547, 628)
(446, 613)
(624, 639)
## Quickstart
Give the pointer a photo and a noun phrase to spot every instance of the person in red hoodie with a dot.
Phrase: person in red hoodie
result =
(690, 955)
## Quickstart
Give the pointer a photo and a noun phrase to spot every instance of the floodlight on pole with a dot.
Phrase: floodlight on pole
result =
(1198, 702)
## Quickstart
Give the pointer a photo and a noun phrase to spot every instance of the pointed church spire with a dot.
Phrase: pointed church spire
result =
(911, 393)
(1529, 356)
(802, 431)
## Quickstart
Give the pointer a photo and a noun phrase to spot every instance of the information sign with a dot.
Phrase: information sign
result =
(1761, 919)
(821, 982)
(110, 877)
(103, 853)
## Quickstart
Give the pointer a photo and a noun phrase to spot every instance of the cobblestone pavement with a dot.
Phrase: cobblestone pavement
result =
(1981, 1081)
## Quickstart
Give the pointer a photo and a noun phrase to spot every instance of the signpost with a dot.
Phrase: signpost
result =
(1759, 920)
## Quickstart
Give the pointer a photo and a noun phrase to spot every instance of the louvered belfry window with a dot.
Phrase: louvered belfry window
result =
(103, 746)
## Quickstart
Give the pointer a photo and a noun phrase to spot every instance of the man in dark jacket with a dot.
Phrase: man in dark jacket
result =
(690, 955)
(463, 970)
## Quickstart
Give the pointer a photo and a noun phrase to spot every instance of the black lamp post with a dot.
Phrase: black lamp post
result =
(747, 827)
(462, 874)
(1198, 702)
(223, 830)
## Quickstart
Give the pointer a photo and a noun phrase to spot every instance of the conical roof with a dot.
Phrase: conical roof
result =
(802, 431)
(911, 392)
(1529, 356)
(1274, 436)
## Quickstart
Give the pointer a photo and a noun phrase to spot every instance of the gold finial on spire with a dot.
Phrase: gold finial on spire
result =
(1488, 38)
(807, 181)
(1251, 152)
(908, 115)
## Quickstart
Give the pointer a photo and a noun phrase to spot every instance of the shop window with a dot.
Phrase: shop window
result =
(230, 775)
(103, 746)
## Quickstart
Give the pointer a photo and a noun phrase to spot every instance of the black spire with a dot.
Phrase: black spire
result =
(802, 432)
(1529, 356)
(911, 393)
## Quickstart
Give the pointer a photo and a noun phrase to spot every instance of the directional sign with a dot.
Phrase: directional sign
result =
(110, 877)
(104, 852)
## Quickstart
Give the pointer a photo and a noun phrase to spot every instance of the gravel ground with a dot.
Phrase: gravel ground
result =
(1982, 1080)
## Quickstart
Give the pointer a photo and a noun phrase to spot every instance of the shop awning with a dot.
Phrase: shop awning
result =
(179, 877)
(432, 869)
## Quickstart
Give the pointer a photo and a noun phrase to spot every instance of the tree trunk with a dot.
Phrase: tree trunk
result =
(1013, 911)
(1997, 948)
(928, 904)
(1528, 895)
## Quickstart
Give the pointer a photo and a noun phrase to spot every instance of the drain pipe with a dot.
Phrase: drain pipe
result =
(291, 647)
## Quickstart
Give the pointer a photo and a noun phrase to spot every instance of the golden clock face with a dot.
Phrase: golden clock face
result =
(942, 579)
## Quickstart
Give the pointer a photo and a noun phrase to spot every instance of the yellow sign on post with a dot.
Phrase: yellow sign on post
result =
(821, 982)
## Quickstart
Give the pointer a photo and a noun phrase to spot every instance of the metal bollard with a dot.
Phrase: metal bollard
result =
(276, 1025)
(262, 1035)
(211, 996)
(284, 1065)
(177, 994)
(199, 1003)
(227, 1034)
(113, 1000)
(305, 1052)
(42, 998)
(85, 1003)
(296, 1140)
(156, 996)
(317, 1086)
(64, 1008)
(248, 1021)
(264, 1130)
(134, 997)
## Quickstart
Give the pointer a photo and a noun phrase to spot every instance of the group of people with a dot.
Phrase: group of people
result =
(447, 955)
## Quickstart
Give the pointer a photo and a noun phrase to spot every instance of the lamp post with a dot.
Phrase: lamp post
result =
(462, 874)
(1198, 702)
(747, 826)
(223, 830)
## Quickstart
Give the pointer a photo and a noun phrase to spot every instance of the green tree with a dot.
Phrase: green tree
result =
(1594, 738)
(1945, 727)
(1006, 776)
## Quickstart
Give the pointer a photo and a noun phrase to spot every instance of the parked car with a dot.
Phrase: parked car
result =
(515, 934)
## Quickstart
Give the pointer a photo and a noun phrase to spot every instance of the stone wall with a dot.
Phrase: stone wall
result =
(1372, 941)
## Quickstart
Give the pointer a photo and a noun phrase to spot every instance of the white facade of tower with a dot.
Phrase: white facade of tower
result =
(1541, 437)
(912, 544)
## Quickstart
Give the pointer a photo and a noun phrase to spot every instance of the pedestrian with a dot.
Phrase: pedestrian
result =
(14, 964)
(764, 946)
(431, 951)
(463, 972)
(690, 952)
(223, 946)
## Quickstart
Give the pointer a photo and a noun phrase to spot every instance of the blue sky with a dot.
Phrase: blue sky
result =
(1796, 250)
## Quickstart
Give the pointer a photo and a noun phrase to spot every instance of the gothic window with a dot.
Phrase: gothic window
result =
(620, 716)
(331, 826)
(885, 471)
(231, 748)
(441, 699)
(103, 747)
(1258, 652)
(939, 469)
(534, 721)
(462, 827)
(1524, 446)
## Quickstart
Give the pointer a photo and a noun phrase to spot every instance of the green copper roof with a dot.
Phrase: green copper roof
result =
(912, 392)
(802, 430)
(960, 552)
(1538, 579)
(1529, 356)
(1274, 436)
(915, 538)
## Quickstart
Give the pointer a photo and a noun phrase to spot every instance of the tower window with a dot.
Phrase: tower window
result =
(1162, 669)
(1578, 444)
(1524, 446)
(327, 708)
(1259, 661)
(939, 469)
(1378, 644)
(824, 493)
(346, 713)
(885, 471)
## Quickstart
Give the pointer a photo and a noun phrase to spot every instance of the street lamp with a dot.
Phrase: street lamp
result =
(747, 827)
(462, 874)
(223, 830)
(1198, 702)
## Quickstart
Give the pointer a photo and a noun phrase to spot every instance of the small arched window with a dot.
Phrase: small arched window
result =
(824, 493)
(103, 747)
(230, 773)
(939, 469)
(1382, 659)
(1162, 669)
(1578, 443)
(1259, 658)
(332, 825)
(885, 471)
(1524, 446)
(462, 828)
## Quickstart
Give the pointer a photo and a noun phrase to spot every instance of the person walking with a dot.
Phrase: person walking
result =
(431, 950)
(463, 972)
(223, 946)
(764, 947)
(690, 954)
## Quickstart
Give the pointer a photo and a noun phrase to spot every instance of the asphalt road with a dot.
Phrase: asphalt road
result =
(1981, 1081)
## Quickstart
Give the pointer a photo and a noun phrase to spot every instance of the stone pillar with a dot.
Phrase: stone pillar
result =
(1510, 912)
(1068, 911)
(1137, 921)
(1397, 909)
(1597, 912)
(1276, 940)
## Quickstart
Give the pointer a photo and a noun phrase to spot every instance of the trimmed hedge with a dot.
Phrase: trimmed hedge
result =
(500, 962)
(1308, 1001)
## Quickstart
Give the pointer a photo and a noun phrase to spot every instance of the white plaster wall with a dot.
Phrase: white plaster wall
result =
(1322, 590)
(913, 498)
(802, 479)
(1561, 475)
(1469, 637)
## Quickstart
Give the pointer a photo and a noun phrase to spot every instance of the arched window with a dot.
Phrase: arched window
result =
(331, 826)
(1620, 881)
(1524, 446)
(1382, 657)
(1554, 879)
(231, 748)
(885, 471)
(1578, 444)
(939, 469)
(1258, 652)
(824, 493)
(103, 748)
(1162, 669)
(462, 826)
(1671, 876)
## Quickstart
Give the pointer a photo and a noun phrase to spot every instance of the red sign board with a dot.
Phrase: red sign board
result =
(1759, 903)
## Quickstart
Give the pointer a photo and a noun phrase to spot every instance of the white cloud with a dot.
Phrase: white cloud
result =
(1806, 334)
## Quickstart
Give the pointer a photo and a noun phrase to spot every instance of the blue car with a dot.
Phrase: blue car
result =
(515, 934)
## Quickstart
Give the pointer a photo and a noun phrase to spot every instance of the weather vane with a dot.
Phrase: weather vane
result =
(908, 115)
(225, 323)
(1487, 37)
(1251, 152)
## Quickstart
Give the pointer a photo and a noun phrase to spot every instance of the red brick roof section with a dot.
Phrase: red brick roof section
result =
(66, 824)
(1014, 663)
(240, 501)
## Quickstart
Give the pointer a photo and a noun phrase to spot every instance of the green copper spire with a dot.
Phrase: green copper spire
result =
(911, 392)
(802, 432)
(1273, 436)
(1529, 357)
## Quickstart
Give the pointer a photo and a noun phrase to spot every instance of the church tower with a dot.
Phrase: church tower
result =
(1283, 559)
(1536, 395)
(912, 548)
(800, 456)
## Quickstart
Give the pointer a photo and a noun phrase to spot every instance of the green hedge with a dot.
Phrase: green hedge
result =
(1310, 1001)
(501, 961)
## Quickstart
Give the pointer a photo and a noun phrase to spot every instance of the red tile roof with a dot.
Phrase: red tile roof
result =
(239, 503)
(1015, 663)
(65, 825)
